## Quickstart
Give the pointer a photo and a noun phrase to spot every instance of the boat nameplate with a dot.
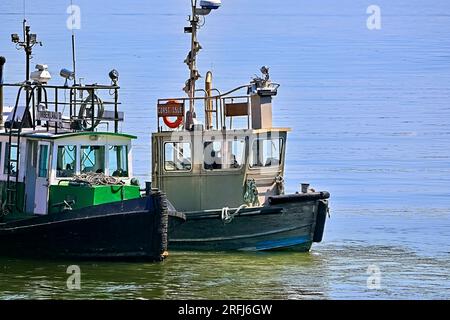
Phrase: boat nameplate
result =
(171, 109)
(46, 115)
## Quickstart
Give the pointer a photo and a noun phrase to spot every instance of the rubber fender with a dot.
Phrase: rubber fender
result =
(322, 212)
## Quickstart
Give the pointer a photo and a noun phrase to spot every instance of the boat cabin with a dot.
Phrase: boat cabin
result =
(61, 149)
(236, 157)
(50, 164)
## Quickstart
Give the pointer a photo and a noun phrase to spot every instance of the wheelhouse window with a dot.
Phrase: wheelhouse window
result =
(66, 161)
(223, 154)
(118, 161)
(266, 152)
(43, 161)
(10, 160)
(236, 154)
(177, 156)
(92, 159)
(212, 155)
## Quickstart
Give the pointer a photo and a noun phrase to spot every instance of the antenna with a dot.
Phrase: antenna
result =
(73, 51)
(24, 9)
(73, 60)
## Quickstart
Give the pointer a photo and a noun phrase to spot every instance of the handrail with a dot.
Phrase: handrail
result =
(220, 96)
(39, 95)
(77, 87)
(218, 100)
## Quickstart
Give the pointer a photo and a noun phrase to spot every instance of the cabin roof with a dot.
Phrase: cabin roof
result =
(30, 133)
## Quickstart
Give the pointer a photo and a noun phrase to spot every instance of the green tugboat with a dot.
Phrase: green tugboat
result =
(225, 174)
(66, 178)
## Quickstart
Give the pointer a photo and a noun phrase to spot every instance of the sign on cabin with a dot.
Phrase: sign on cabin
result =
(171, 109)
(45, 115)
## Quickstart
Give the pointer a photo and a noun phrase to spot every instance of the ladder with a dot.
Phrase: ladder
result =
(12, 176)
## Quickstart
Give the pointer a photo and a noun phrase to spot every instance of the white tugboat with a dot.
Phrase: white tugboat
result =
(220, 161)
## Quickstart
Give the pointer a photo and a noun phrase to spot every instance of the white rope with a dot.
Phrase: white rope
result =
(97, 179)
(227, 217)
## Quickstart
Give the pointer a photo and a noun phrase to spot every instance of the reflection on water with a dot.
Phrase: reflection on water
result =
(183, 275)
(331, 271)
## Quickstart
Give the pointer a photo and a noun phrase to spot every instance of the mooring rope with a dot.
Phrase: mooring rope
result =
(228, 217)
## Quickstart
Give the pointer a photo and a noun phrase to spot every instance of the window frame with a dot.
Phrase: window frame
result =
(47, 162)
(242, 165)
(105, 166)
(6, 159)
(250, 158)
(75, 172)
(107, 159)
(164, 157)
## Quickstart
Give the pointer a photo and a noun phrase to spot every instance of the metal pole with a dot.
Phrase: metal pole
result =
(27, 50)
(2, 63)
(193, 65)
(73, 59)
(92, 109)
(56, 111)
(116, 111)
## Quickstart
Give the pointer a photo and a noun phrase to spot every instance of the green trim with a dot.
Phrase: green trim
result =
(85, 196)
(88, 133)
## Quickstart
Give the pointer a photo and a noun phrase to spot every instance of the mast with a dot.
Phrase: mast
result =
(191, 59)
(193, 56)
(2, 63)
(29, 41)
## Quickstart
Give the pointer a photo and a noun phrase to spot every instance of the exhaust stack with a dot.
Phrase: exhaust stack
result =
(209, 103)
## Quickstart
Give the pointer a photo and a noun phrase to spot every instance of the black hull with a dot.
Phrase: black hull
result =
(291, 222)
(127, 230)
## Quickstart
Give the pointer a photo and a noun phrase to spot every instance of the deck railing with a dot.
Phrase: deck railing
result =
(67, 108)
(217, 109)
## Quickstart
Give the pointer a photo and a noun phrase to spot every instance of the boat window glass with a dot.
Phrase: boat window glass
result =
(43, 161)
(66, 161)
(236, 154)
(92, 159)
(177, 156)
(11, 164)
(212, 155)
(118, 161)
(223, 154)
(266, 152)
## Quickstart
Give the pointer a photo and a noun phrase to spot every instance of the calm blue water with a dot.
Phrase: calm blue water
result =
(370, 112)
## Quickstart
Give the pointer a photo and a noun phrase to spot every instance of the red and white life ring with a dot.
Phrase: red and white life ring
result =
(173, 124)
